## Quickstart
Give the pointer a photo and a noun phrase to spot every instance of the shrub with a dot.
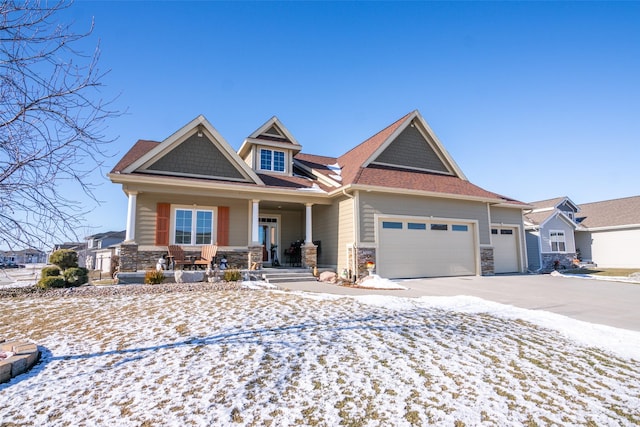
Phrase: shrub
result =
(51, 282)
(232, 275)
(64, 258)
(153, 277)
(50, 271)
(76, 276)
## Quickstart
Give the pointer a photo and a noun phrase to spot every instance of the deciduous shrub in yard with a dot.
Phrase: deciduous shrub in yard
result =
(50, 271)
(76, 276)
(64, 258)
(51, 282)
(153, 277)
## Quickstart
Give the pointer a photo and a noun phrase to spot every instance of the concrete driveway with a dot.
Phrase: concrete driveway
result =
(609, 303)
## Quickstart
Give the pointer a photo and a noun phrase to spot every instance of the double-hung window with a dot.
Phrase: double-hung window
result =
(558, 242)
(193, 227)
(272, 160)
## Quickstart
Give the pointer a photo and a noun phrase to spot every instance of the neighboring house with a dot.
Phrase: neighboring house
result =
(100, 249)
(549, 230)
(609, 232)
(606, 233)
(24, 256)
(398, 200)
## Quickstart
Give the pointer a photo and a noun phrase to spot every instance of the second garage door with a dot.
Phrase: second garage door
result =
(505, 249)
(424, 248)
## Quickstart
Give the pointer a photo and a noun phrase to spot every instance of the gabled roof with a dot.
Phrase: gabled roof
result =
(544, 210)
(273, 134)
(367, 153)
(404, 156)
(138, 150)
(611, 213)
(145, 155)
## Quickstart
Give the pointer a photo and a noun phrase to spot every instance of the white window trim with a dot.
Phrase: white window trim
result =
(192, 208)
(551, 240)
(273, 150)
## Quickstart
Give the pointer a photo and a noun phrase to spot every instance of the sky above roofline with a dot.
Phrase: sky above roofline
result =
(531, 99)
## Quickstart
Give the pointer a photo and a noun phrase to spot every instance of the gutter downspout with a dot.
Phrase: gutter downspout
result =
(353, 266)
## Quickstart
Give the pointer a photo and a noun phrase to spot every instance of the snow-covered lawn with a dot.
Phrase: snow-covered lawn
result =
(267, 357)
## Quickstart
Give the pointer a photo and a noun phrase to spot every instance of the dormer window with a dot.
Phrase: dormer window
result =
(271, 160)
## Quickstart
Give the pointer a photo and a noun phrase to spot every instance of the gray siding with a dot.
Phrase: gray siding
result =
(506, 215)
(411, 149)
(557, 224)
(533, 250)
(398, 204)
(197, 156)
(146, 215)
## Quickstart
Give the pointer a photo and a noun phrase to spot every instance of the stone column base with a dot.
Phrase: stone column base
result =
(128, 257)
(309, 255)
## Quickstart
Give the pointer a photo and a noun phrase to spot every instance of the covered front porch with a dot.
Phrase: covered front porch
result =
(278, 232)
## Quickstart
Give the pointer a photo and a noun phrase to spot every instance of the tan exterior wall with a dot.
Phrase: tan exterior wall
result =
(346, 232)
(290, 226)
(146, 215)
(325, 229)
(398, 204)
(616, 248)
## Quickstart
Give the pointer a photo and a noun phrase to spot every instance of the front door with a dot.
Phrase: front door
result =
(268, 238)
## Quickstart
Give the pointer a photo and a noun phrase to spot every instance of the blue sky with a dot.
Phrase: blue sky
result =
(532, 99)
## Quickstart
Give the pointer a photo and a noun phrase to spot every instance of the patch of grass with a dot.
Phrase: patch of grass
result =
(609, 272)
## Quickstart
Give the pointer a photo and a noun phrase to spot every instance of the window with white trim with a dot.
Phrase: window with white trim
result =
(193, 226)
(557, 240)
(272, 160)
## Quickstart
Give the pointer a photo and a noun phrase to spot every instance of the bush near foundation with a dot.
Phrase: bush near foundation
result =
(232, 275)
(153, 277)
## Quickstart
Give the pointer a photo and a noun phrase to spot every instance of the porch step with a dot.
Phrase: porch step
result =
(288, 275)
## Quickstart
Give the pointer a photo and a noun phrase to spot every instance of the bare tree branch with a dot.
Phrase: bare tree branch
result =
(52, 122)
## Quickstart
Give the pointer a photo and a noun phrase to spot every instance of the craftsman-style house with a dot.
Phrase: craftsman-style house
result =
(398, 201)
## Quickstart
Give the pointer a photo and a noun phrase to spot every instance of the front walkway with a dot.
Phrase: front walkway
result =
(595, 301)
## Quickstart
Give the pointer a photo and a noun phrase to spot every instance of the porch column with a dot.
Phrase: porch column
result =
(255, 229)
(308, 238)
(131, 216)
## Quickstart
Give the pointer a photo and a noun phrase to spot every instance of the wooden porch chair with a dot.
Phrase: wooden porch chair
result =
(207, 256)
(178, 258)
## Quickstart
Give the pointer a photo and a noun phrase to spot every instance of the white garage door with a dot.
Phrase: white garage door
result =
(505, 249)
(424, 248)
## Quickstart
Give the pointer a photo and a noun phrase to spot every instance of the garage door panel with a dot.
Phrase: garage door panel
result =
(425, 252)
(505, 249)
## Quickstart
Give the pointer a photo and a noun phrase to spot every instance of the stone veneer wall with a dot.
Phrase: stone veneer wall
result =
(364, 255)
(486, 262)
(549, 261)
(133, 260)
(309, 255)
(128, 257)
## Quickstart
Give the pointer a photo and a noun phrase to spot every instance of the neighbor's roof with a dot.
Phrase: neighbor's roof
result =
(548, 203)
(611, 213)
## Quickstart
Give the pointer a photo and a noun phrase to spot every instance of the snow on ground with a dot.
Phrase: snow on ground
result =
(376, 282)
(276, 358)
